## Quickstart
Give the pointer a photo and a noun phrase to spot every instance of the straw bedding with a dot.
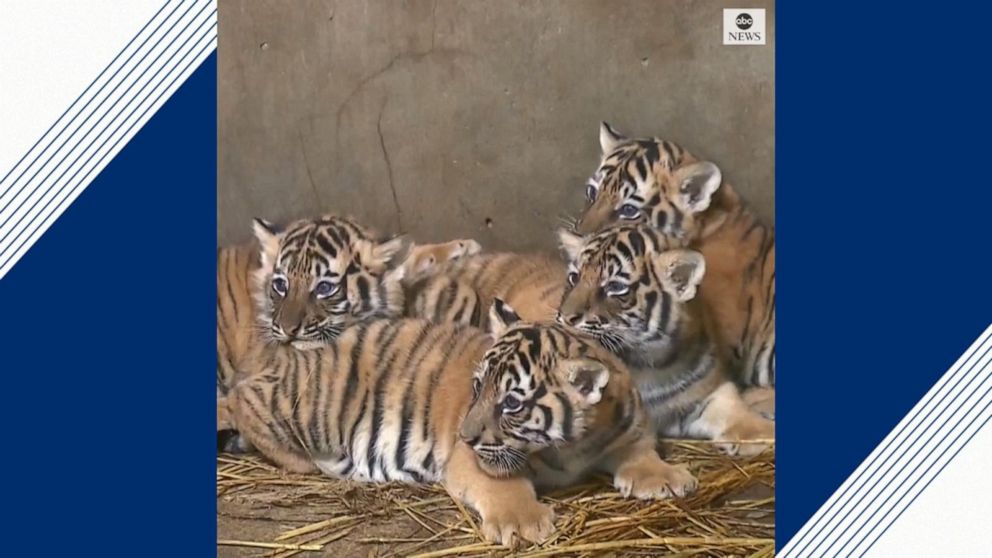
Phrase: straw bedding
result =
(263, 511)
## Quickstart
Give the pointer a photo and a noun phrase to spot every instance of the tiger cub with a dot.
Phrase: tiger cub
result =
(659, 183)
(396, 400)
(463, 290)
(304, 283)
(634, 290)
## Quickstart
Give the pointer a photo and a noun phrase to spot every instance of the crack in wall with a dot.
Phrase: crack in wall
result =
(412, 56)
(306, 165)
(389, 170)
(433, 24)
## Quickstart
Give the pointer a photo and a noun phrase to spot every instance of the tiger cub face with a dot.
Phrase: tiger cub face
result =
(648, 181)
(537, 386)
(629, 286)
(319, 276)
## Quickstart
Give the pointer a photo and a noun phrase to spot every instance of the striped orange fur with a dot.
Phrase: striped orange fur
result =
(413, 401)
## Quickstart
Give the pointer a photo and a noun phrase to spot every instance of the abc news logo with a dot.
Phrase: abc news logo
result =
(744, 26)
(744, 22)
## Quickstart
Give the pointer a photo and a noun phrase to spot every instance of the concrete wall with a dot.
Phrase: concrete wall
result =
(478, 119)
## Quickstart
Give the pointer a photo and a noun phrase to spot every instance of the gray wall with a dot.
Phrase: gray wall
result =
(434, 116)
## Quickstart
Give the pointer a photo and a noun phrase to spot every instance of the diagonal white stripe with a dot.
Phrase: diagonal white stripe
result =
(951, 504)
(906, 461)
(143, 76)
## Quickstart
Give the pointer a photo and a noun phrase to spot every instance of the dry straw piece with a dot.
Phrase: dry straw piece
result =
(731, 514)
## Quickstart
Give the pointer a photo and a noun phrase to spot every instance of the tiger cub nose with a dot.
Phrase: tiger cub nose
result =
(469, 438)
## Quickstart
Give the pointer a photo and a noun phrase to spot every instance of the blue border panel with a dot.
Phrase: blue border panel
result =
(108, 337)
(882, 226)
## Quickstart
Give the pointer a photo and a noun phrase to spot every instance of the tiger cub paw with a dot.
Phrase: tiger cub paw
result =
(655, 481)
(531, 521)
(748, 437)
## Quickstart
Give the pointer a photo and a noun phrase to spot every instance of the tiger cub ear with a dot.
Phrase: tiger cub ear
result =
(680, 271)
(501, 317)
(697, 182)
(609, 138)
(570, 243)
(587, 377)
(268, 236)
(390, 254)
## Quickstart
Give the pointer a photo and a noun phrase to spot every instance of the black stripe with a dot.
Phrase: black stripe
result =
(771, 366)
(335, 238)
(352, 384)
(668, 151)
(660, 218)
(769, 296)
(322, 407)
(431, 388)
(292, 388)
(625, 252)
(516, 436)
(326, 246)
(363, 288)
(354, 425)
(459, 313)
(222, 318)
(405, 422)
(566, 419)
(476, 319)
(650, 301)
(428, 463)
(548, 415)
(310, 374)
(641, 169)
(747, 321)
(765, 251)
(425, 419)
(314, 439)
(406, 413)
(666, 310)
(533, 335)
(553, 341)
(637, 242)
(384, 370)
(651, 151)
(454, 351)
